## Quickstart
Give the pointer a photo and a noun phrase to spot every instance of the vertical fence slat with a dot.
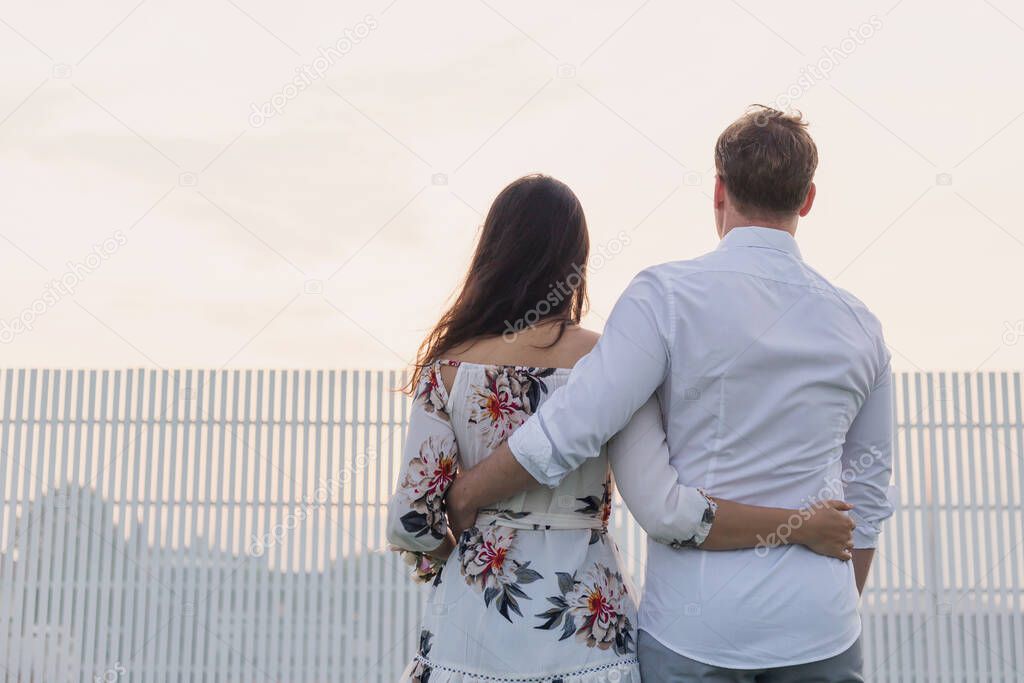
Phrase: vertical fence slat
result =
(7, 505)
(1016, 431)
(25, 517)
(44, 609)
(344, 584)
(273, 598)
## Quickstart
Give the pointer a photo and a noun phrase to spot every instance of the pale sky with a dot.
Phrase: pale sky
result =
(325, 235)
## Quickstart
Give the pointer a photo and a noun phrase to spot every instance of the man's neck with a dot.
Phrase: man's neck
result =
(732, 218)
(738, 221)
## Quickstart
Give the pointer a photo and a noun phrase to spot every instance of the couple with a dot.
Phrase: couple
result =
(740, 403)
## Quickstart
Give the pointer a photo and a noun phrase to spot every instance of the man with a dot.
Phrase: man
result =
(775, 390)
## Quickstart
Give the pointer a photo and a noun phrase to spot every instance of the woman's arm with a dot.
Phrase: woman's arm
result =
(825, 529)
(417, 522)
(683, 516)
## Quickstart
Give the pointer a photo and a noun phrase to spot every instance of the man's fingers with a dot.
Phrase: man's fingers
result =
(841, 505)
(842, 553)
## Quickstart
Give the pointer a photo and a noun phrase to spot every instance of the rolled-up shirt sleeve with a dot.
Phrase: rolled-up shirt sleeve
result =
(606, 387)
(867, 463)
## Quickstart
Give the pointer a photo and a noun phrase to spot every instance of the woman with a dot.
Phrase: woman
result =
(535, 590)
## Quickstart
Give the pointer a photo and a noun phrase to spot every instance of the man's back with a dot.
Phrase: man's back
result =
(775, 390)
(774, 385)
(770, 366)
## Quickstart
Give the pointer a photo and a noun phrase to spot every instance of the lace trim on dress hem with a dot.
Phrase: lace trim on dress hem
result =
(620, 664)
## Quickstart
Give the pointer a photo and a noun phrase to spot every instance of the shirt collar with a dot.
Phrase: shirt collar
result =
(763, 238)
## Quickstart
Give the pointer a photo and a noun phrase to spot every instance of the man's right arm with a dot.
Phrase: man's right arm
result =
(608, 385)
(629, 362)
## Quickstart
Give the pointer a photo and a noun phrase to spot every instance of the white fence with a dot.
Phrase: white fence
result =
(228, 526)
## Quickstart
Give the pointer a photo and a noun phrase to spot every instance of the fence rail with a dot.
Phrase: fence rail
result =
(229, 526)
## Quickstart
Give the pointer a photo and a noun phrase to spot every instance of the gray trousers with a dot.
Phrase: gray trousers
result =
(658, 664)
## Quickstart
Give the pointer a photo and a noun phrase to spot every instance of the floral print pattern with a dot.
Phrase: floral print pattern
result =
(497, 407)
(593, 608)
(488, 565)
(707, 519)
(427, 477)
(598, 506)
(421, 669)
(431, 393)
(508, 396)
(425, 569)
(591, 621)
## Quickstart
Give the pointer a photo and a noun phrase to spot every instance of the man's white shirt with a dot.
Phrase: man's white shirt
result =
(775, 390)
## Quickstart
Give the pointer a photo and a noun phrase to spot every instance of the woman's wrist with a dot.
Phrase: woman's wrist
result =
(460, 506)
(442, 551)
(798, 535)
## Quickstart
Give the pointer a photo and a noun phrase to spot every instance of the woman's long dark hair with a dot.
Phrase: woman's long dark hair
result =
(529, 266)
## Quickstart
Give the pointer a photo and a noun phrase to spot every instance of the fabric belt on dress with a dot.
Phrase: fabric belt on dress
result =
(538, 520)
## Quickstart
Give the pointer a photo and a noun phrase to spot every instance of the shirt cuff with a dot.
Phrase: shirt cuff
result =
(708, 508)
(865, 535)
(531, 446)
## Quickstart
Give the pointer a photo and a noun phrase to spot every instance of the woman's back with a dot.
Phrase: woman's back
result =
(535, 586)
(494, 387)
(495, 383)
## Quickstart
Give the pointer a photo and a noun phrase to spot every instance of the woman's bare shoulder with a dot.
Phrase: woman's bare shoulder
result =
(529, 348)
(574, 344)
(482, 350)
(585, 340)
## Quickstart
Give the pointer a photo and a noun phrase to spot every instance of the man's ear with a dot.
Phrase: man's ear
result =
(809, 202)
(719, 192)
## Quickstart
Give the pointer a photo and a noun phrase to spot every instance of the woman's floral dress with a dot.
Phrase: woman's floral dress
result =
(535, 591)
